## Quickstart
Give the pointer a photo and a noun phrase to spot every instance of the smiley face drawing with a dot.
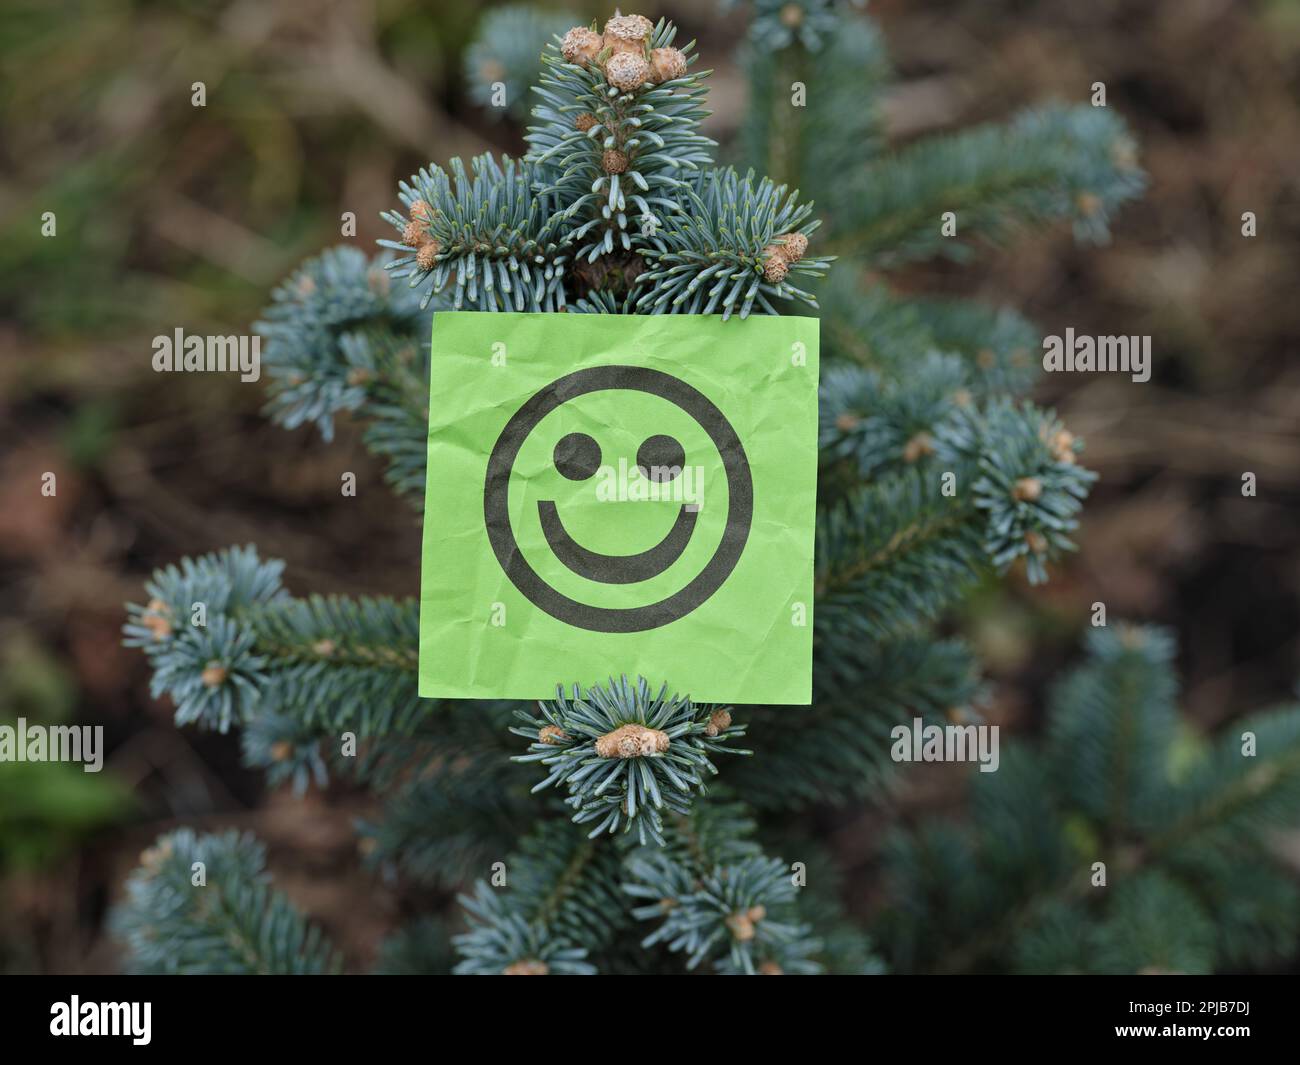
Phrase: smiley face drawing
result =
(577, 457)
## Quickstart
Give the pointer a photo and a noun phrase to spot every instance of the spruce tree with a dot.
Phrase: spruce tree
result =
(637, 831)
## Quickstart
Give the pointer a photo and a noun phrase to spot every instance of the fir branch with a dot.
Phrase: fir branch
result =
(616, 155)
(718, 896)
(233, 923)
(502, 943)
(740, 916)
(1075, 163)
(830, 133)
(1194, 881)
(486, 230)
(838, 750)
(1112, 727)
(625, 754)
(877, 425)
(561, 889)
(326, 662)
(778, 24)
(201, 657)
(997, 343)
(286, 748)
(736, 244)
(507, 51)
(868, 325)
(893, 554)
(338, 298)
(340, 337)
(395, 406)
(1230, 793)
(421, 948)
(1030, 487)
(462, 812)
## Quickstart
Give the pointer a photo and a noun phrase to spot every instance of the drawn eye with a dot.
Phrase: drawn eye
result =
(577, 456)
(660, 458)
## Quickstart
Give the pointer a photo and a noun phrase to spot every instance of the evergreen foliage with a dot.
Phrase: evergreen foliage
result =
(505, 53)
(612, 855)
(1192, 882)
(234, 922)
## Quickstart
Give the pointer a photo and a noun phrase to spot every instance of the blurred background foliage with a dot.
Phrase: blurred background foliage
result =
(173, 216)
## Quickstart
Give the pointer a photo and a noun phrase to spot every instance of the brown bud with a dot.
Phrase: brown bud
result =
(613, 161)
(757, 913)
(552, 734)
(919, 446)
(666, 64)
(152, 858)
(1037, 542)
(427, 255)
(632, 741)
(281, 749)
(719, 721)
(160, 627)
(414, 234)
(847, 422)
(627, 71)
(741, 926)
(775, 267)
(1123, 153)
(1088, 203)
(794, 246)
(421, 211)
(1027, 489)
(358, 375)
(962, 397)
(1131, 636)
(585, 121)
(986, 359)
(214, 675)
(770, 968)
(624, 31)
(526, 967)
(791, 16)
(1062, 447)
(156, 618)
(324, 648)
(580, 45)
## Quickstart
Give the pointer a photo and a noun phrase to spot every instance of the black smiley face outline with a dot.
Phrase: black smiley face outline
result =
(740, 509)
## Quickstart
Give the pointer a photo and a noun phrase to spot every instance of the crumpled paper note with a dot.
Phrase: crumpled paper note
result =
(615, 494)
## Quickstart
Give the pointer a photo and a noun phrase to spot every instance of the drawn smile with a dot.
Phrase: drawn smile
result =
(577, 458)
(615, 569)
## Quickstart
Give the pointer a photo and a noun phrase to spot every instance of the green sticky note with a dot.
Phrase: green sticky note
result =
(615, 494)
